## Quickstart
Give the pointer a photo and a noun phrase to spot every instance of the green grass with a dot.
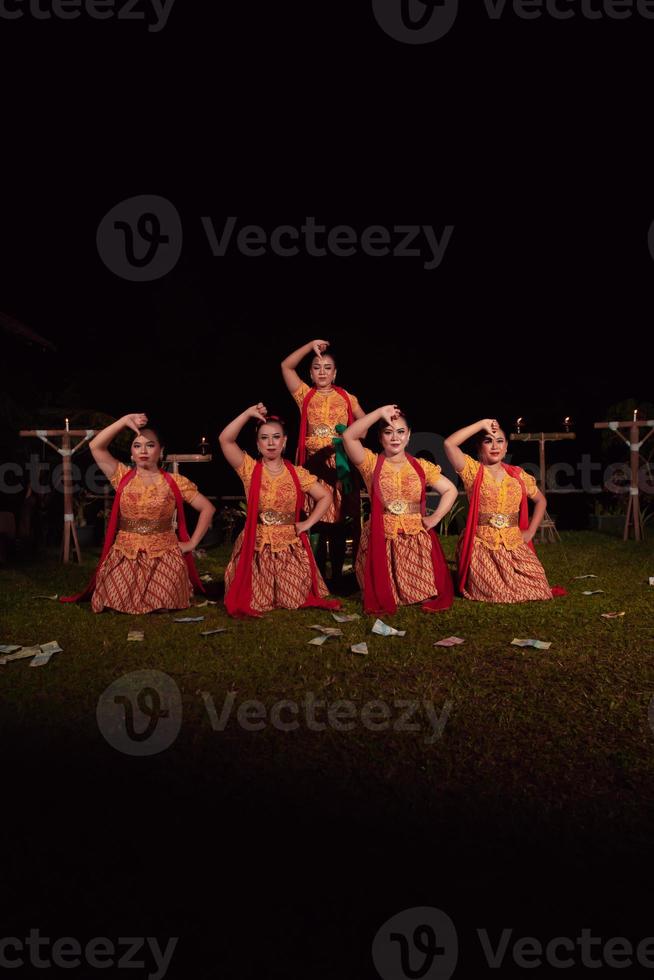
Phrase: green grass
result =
(558, 729)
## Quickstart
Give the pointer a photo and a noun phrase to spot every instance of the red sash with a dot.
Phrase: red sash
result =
(468, 538)
(238, 600)
(378, 593)
(113, 528)
(301, 454)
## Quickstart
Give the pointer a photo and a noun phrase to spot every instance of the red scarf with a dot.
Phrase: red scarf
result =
(378, 593)
(468, 539)
(301, 454)
(238, 600)
(113, 528)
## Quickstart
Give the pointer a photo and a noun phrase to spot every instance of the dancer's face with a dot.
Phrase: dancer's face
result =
(323, 372)
(493, 449)
(146, 450)
(394, 437)
(271, 441)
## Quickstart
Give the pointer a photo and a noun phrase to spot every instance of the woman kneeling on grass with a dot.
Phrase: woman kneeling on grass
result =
(272, 565)
(144, 566)
(400, 560)
(496, 556)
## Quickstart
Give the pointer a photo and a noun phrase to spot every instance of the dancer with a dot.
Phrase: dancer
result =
(272, 565)
(400, 559)
(143, 566)
(496, 557)
(325, 411)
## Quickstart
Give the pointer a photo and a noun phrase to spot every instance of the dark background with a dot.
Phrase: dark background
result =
(533, 139)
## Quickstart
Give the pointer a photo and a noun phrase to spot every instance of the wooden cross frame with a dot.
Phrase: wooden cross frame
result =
(633, 517)
(547, 527)
(66, 453)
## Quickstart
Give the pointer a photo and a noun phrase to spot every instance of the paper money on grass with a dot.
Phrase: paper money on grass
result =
(135, 635)
(345, 617)
(612, 615)
(327, 630)
(318, 641)
(189, 619)
(24, 653)
(219, 629)
(383, 630)
(51, 647)
(592, 591)
(449, 641)
(537, 644)
(41, 659)
(9, 647)
(585, 576)
(53, 598)
(360, 648)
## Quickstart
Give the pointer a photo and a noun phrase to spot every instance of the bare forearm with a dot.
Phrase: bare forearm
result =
(292, 361)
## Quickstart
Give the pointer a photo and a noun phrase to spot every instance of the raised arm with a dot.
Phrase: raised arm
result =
(452, 443)
(292, 379)
(100, 443)
(358, 430)
(227, 438)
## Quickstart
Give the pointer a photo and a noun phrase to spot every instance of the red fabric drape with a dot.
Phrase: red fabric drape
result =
(238, 600)
(378, 593)
(301, 454)
(112, 530)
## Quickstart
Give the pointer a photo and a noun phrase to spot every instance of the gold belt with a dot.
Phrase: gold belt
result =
(401, 507)
(137, 525)
(272, 517)
(498, 521)
(322, 430)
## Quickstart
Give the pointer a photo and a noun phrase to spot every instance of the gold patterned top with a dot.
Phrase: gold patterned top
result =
(495, 497)
(277, 493)
(328, 409)
(140, 501)
(399, 482)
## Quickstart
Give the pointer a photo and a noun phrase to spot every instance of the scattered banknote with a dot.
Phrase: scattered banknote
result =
(9, 647)
(538, 644)
(612, 615)
(23, 654)
(135, 635)
(345, 617)
(383, 630)
(592, 591)
(219, 629)
(206, 577)
(51, 647)
(52, 597)
(318, 641)
(207, 602)
(651, 580)
(449, 641)
(585, 576)
(189, 619)
(41, 659)
(327, 630)
(360, 648)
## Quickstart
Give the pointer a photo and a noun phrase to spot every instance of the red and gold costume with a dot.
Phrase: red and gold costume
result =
(321, 413)
(495, 564)
(141, 568)
(271, 567)
(414, 567)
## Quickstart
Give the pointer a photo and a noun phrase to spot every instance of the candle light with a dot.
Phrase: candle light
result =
(519, 423)
(567, 422)
(635, 414)
(67, 429)
(203, 447)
